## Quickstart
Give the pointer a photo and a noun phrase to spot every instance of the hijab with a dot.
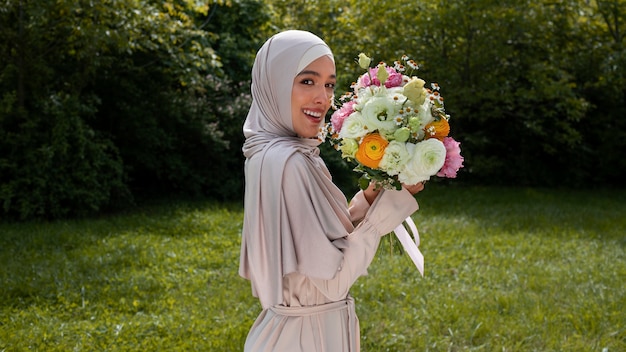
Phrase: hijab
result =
(273, 244)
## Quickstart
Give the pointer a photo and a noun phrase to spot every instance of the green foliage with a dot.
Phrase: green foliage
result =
(52, 162)
(533, 88)
(506, 269)
(55, 165)
(110, 101)
(601, 76)
(103, 103)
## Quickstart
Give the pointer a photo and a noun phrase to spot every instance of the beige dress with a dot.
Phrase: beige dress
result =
(302, 248)
(317, 314)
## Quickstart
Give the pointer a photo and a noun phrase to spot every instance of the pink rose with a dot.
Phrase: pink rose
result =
(454, 160)
(394, 79)
(340, 115)
(364, 80)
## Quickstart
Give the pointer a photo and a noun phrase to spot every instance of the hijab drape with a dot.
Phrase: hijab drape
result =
(273, 244)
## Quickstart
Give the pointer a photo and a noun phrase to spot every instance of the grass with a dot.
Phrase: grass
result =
(506, 270)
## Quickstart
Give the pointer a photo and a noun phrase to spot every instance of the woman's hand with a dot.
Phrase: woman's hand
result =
(371, 193)
(414, 189)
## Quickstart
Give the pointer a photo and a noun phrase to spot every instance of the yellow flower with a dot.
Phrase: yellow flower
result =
(364, 61)
(414, 90)
(382, 74)
(371, 150)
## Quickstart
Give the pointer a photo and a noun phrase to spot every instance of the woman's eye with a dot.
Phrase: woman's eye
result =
(307, 82)
(330, 85)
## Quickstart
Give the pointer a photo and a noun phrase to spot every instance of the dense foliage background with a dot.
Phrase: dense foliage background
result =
(106, 103)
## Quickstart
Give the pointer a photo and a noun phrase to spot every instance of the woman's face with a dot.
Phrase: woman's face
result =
(311, 96)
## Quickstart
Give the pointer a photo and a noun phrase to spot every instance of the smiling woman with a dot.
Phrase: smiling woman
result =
(302, 245)
(311, 96)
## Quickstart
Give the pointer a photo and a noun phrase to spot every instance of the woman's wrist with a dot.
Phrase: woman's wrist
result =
(371, 193)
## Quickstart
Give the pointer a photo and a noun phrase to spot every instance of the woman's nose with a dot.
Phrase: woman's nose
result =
(322, 95)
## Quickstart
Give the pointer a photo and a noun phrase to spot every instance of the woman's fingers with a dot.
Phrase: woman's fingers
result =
(415, 188)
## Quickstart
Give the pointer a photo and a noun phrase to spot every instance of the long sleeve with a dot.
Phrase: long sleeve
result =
(332, 248)
(388, 211)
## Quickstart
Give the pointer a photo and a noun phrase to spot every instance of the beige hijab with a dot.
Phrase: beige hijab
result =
(278, 240)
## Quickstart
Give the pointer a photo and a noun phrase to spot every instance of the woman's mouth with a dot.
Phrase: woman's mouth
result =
(314, 114)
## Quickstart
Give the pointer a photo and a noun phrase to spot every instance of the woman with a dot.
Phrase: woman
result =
(302, 245)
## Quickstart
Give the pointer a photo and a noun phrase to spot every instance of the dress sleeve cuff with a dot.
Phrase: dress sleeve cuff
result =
(390, 209)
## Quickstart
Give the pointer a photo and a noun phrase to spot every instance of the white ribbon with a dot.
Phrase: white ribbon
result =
(409, 245)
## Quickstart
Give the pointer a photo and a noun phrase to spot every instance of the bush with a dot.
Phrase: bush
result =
(53, 165)
(106, 103)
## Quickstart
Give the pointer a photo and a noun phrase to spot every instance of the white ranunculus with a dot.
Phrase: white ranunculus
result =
(376, 111)
(366, 93)
(425, 113)
(427, 158)
(395, 157)
(379, 113)
(354, 127)
(396, 91)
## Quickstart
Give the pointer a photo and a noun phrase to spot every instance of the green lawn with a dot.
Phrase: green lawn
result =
(506, 270)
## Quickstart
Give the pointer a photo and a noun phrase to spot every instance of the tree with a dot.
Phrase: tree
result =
(512, 74)
(104, 102)
(600, 67)
(52, 163)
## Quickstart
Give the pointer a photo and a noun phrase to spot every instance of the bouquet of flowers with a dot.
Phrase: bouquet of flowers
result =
(393, 128)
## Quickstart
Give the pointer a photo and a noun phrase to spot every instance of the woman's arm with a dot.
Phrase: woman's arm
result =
(387, 212)
(360, 203)
(336, 264)
(371, 193)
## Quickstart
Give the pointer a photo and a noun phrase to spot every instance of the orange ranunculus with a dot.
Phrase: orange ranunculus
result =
(371, 150)
(437, 129)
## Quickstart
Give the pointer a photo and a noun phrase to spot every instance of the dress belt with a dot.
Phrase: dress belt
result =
(347, 304)
(311, 310)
